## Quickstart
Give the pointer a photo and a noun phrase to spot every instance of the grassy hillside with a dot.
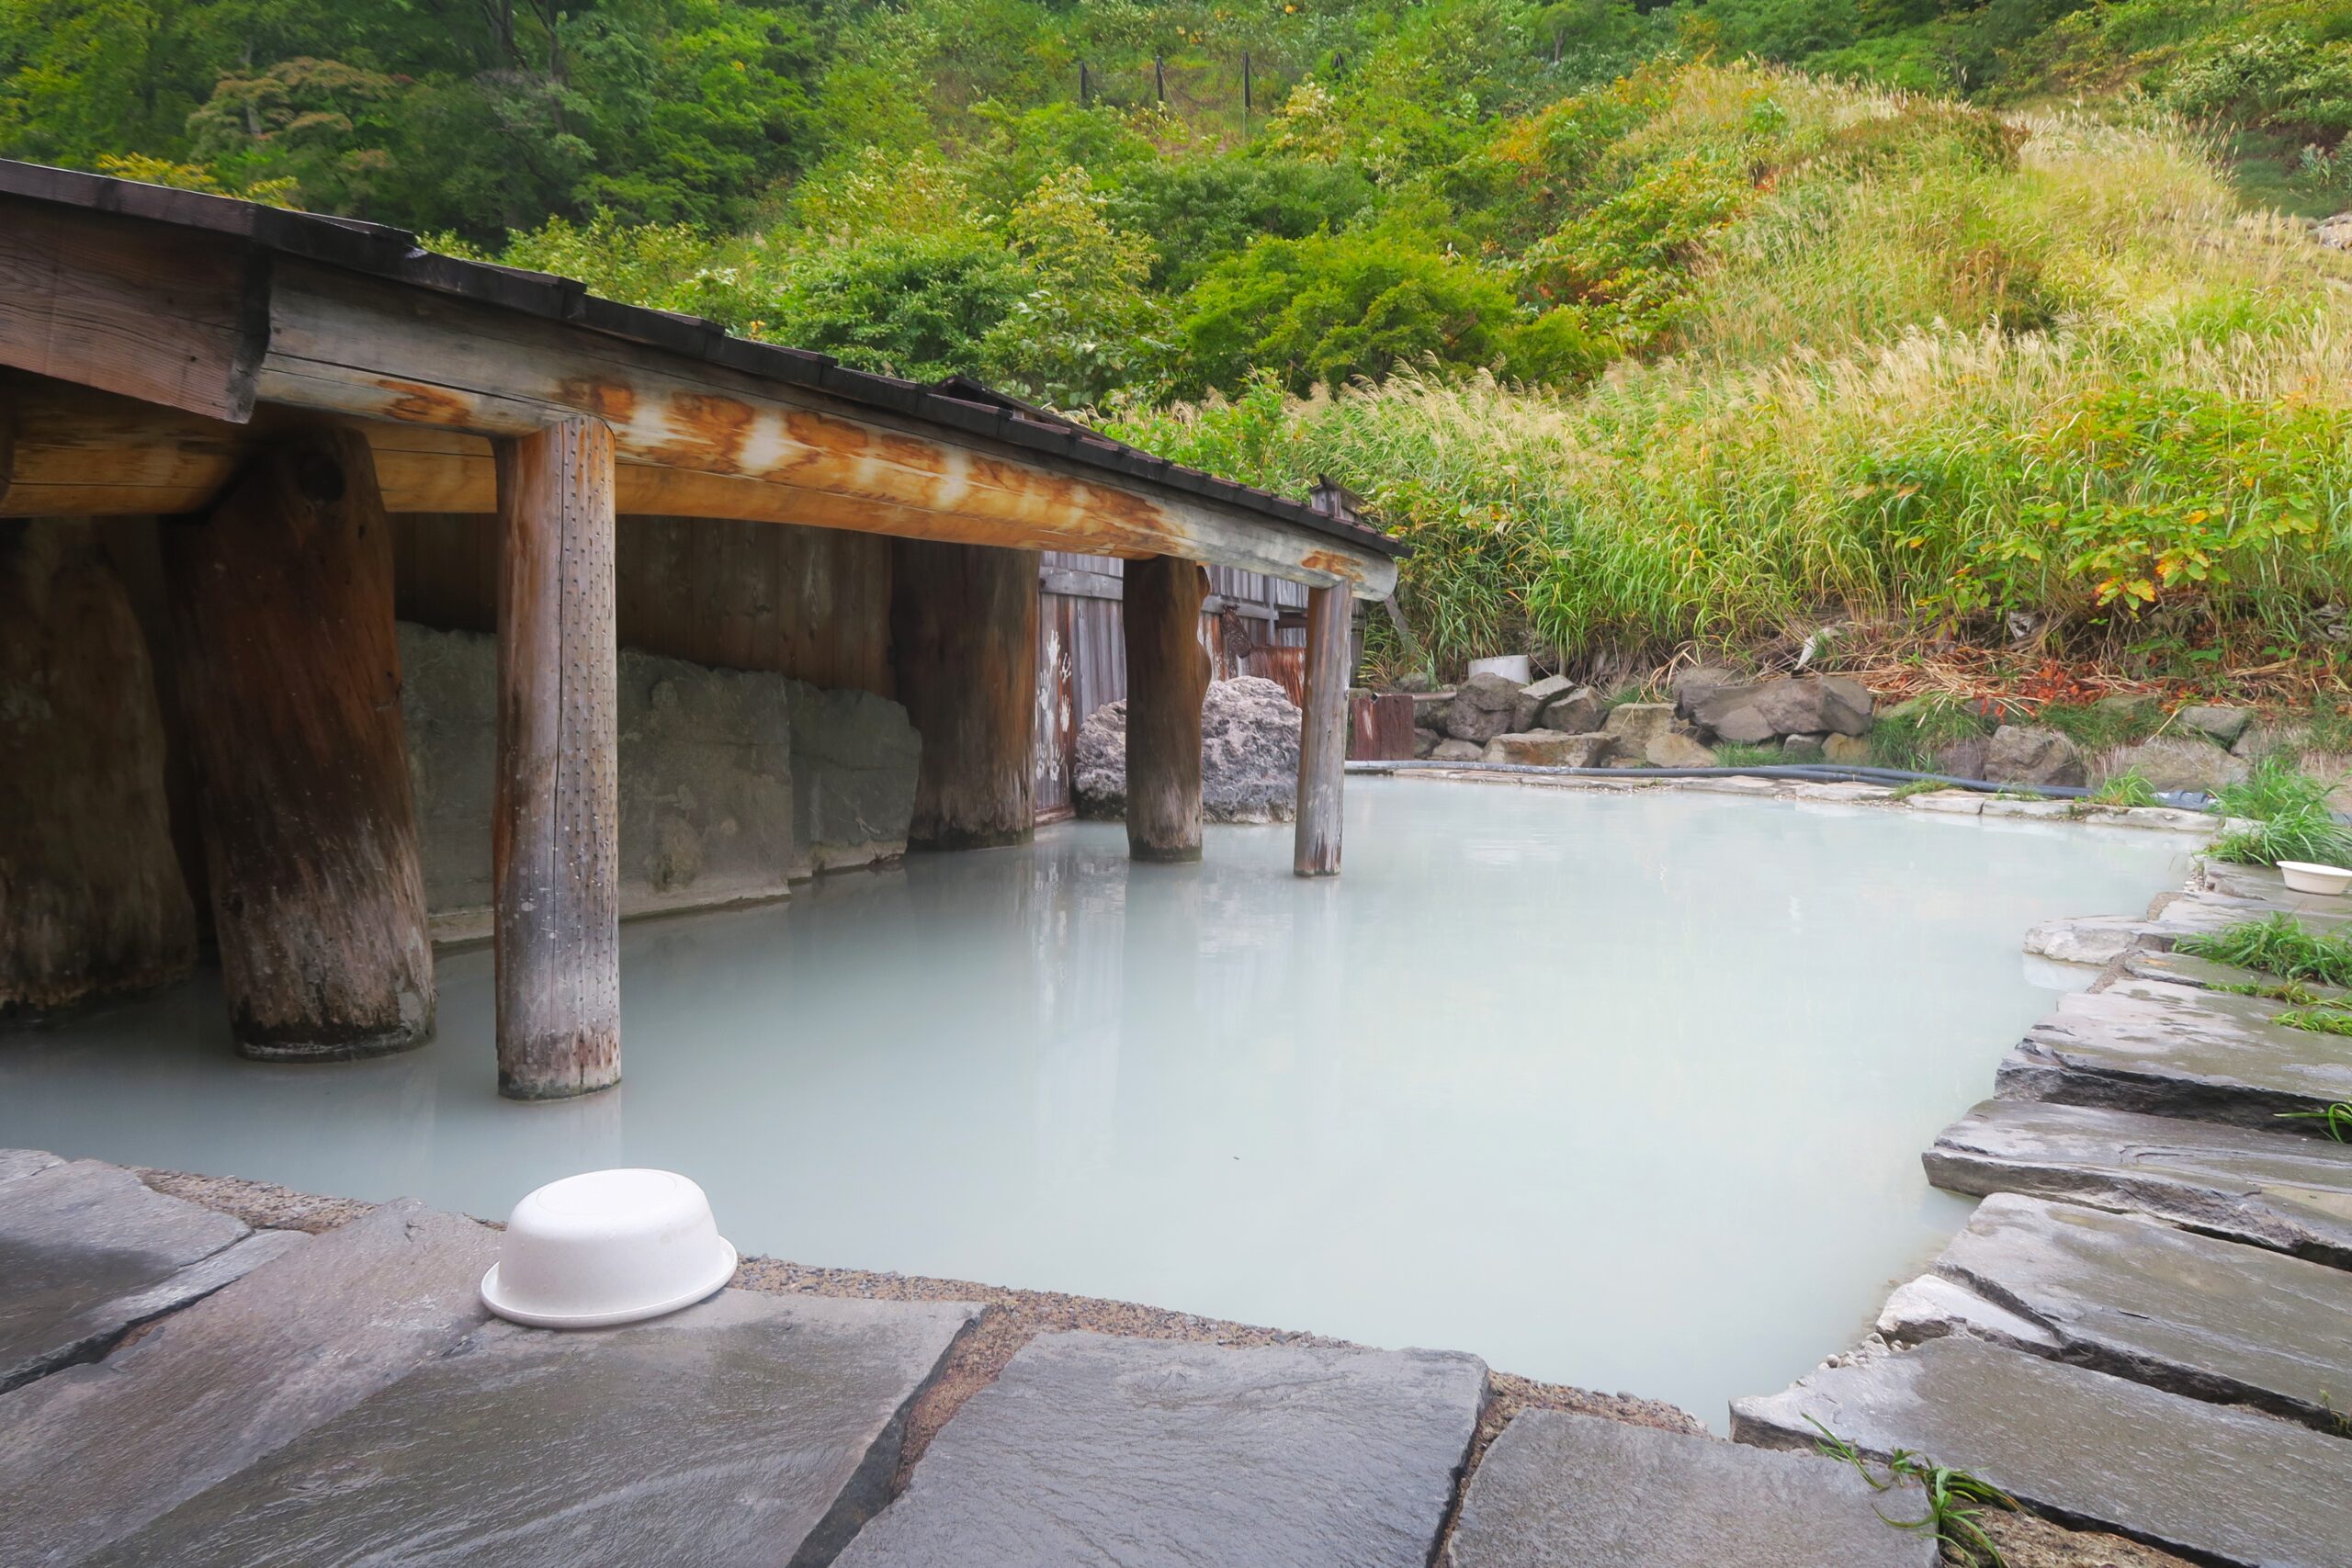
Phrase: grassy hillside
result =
(1975, 335)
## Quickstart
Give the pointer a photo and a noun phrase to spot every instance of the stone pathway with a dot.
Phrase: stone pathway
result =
(2144, 1329)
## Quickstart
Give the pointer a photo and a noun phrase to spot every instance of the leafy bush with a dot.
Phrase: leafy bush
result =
(2276, 944)
(2288, 815)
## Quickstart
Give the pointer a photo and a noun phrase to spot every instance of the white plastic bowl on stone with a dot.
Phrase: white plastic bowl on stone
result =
(2306, 877)
(608, 1247)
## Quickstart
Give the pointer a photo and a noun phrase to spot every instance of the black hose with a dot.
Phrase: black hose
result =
(1817, 773)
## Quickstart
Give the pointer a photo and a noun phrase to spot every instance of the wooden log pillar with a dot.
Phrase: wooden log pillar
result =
(964, 646)
(1167, 676)
(1323, 732)
(288, 674)
(92, 898)
(555, 849)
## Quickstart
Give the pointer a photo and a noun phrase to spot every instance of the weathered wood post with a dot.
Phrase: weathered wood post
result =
(555, 840)
(1323, 732)
(92, 898)
(964, 646)
(1167, 676)
(289, 683)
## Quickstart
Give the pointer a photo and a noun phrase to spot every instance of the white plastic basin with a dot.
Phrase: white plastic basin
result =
(2307, 876)
(604, 1248)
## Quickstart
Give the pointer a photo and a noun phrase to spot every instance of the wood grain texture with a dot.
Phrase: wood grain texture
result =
(964, 647)
(176, 319)
(91, 897)
(1168, 677)
(1380, 727)
(288, 679)
(1323, 733)
(343, 343)
(556, 837)
(813, 604)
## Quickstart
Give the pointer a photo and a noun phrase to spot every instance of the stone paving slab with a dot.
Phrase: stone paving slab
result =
(2221, 1484)
(1154, 1453)
(91, 1453)
(1563, 1490)
(2177, 968)
(2291, 1194)
(2171, 1050)
(2174, 1310)
(2265, 885)
(15, 1162)
(86, 1251)
(749, 1429)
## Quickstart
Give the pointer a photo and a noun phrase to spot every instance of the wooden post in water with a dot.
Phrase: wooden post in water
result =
(288, 674)
(555, 839)
(1323, 732)
(964, 646)
(1167, 676)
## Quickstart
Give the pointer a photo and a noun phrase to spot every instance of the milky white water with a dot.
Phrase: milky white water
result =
(1625, 1092)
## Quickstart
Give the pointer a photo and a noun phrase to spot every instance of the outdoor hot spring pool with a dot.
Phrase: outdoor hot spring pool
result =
(1625, 1090)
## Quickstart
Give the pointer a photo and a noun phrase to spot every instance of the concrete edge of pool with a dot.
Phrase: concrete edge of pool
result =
(1924, 1385)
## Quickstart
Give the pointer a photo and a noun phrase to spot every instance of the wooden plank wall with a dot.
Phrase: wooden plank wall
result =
(813, 604)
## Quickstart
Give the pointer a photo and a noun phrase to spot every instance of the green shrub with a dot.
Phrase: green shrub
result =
(2288, 815)
(2128, 788)
(2276, 944)
(1909, 736)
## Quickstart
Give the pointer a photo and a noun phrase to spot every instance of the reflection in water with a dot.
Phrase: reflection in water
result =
(1624, 1091)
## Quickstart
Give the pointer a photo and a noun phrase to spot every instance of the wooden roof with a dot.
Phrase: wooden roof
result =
(226, 314)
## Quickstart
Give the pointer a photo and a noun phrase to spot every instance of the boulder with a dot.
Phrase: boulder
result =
(1429, 709)
(1482, 708)
(1754, 712)
(1548, 749)
(2130, 704)
(1673, 749)
(1533, 699)
(1631, 727)
(1248, 755)
(1452, 750)
(2222, 725)
(2175, 762)
(1690, 687)
(1416, 682)
(1847, 750)
(1965, 759)
(2033, 754)
(1802, 748)
(2258, 740)
(1578, 713)
(1425, 741)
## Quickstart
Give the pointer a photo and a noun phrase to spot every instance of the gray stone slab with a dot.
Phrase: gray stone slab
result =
(2181, 1312)
(1931, 1306)
(2177, 968)
(748, 1429)
(2206, 1480)
(1562, 1490)
(86, 1251)
(2291, 1194)
(1151, 1453)
(91, 1453)
(2171, 1050)
(2264, 885)
(15, 1162)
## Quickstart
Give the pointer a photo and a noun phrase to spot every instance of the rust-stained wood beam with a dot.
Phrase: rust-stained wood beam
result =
(1168, 677)
(77, 452)
(342, 342)
(555, 837)
(964, 650)
(281, 610)
(174, 319)
(1323, 734)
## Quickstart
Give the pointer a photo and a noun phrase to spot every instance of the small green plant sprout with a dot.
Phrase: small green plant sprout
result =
(2130, 788)
(2335, 1121)
(2276, 944)
(1918, 786)
(2319, 1020)
(1954, 1498)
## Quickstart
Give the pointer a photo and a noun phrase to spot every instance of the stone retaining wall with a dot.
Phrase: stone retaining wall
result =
(734, 784)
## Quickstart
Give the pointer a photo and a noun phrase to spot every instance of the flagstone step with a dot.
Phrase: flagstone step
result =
(1153, 1453)
(747, 1429)
(2185, 1312)
(2209, 1482)
(1564, 1491)
(92, 1453)
(2291, 1194)
(2172, 1050)
(87, 1251)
